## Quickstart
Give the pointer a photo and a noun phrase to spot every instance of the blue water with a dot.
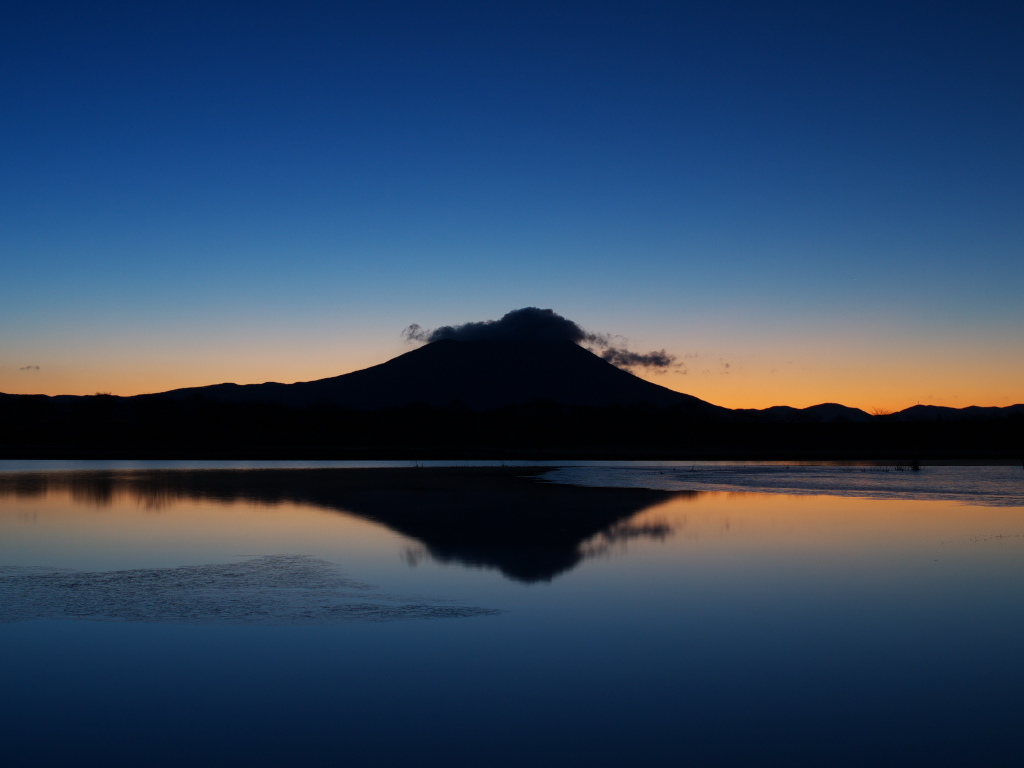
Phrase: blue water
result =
(756, 618)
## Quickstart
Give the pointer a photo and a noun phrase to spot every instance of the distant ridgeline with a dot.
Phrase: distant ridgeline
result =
(485, 399)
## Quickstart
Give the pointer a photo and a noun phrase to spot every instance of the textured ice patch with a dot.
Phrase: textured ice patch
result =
(277, 589)
(983, 486)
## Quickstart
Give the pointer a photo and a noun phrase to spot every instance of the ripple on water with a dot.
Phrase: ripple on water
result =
(270, 590)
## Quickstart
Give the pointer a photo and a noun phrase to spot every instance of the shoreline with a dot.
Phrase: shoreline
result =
(410, 459)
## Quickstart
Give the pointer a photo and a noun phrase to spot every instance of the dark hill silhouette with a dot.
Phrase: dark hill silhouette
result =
(480, 375)
(944, 413)
(825, 413)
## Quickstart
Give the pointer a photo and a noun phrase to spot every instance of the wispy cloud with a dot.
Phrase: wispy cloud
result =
(623, 358)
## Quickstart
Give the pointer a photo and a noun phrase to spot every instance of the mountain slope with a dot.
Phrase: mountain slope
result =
(477, 374)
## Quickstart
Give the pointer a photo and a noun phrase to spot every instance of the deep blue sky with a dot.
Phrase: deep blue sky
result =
(199, 192)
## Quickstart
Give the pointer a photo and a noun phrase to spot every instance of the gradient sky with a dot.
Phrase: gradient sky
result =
(807, 202)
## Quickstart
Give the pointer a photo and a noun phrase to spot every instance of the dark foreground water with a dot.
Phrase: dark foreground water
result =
(602, 615)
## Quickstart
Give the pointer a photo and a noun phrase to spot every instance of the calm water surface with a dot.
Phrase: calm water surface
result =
(605, 614)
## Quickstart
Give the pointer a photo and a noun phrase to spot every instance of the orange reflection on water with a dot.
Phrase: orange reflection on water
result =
(763, 524)
(97, 526)
(63, 528)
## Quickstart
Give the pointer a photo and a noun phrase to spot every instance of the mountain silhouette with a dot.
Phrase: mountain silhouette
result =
(479, 375)
(483, 398)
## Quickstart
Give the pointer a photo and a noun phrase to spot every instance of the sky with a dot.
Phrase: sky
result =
(804, 202)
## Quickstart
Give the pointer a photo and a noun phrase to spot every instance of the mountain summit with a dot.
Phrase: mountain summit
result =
(476, 374)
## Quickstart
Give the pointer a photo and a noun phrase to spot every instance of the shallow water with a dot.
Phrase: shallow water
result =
(981, 485)
(614, 613)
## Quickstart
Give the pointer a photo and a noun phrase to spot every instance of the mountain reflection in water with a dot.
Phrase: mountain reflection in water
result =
(487, 517)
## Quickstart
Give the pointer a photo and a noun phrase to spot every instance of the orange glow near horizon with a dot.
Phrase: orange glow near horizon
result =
(986, 374)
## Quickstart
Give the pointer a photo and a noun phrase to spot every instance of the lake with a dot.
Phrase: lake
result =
(605, 613)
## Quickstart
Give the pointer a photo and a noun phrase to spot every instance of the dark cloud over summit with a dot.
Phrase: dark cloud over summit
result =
(526, 325)
(531, 324)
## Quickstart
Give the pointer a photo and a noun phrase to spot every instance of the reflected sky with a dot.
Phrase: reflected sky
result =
(497, 517)
(528, 524)
(726, 627)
